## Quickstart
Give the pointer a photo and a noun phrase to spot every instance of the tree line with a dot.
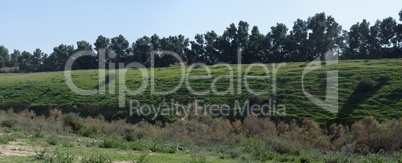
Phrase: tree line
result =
(305, 41)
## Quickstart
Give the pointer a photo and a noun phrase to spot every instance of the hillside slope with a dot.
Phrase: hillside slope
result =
(49, 89)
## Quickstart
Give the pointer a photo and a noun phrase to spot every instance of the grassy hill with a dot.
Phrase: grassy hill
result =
(41, 91)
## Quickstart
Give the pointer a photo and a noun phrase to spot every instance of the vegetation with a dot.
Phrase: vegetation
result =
(306, 41)
(204, 139)
(366, 88)
(39, 112)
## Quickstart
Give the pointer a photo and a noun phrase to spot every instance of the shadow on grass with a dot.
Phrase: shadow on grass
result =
(355, 99)
(108, 78)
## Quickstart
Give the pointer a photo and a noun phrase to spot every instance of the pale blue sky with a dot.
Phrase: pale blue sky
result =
(44, 24)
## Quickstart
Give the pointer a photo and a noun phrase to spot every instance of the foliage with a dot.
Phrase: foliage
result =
(307, 40)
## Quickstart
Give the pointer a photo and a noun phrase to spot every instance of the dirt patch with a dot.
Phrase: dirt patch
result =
(16, 149)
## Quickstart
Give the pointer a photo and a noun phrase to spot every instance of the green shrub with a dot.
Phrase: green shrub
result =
(143, 158)
(383, 79)
(53, 140)
(74, 121)
(96, 158)
(55, 157)
(113, 142)
(366, 84)
(337, 158)
(198, 158)
(373, 158)
(10, 122)
(4, 139)
(283, 147)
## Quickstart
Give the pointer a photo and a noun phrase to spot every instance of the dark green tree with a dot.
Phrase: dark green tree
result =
(257, 47)
(400, 15)
(212, 48)
(101, 45)
(4, 56)
(141, 49)
(85, 62)
(25, 62)
(58, 58)
(298, 41)
(388, 36)
(120, 46)
(278, 52)
(14, 58)
(37, 60)
(197, 52)
(324, 35)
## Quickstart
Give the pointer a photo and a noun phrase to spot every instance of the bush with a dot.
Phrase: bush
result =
(53, 140)
(55, 157)
(113, 142)
(74, 121)
(383, 79)
(6, 139)
(259, 127)
(9, 123)
(254, 99)
(98, 158)
(198, 159)
(365, 85)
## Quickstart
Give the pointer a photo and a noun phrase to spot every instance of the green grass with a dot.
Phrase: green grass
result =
(44, 90)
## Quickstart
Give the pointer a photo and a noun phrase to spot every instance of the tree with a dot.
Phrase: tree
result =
(14, 58)
(57, 60)
(84, 62)
(257, 47)
(101, 46)
(25, 62)
(83, 45)
(388, 36)
(298, 41)
(212, 48)
(101, 42)
(279, 38)
(197, 52)
(374, 46)
(359, 35)
(228, 45)
(141, 49)
(4, 56)
(37, 60)
(177, 44)
(400, 15)
(387, 32)
(119, 45)
(324, 36)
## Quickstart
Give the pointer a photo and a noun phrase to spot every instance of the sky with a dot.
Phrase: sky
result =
(27, 25)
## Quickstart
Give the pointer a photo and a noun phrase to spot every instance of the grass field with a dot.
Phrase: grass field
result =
(49, 89)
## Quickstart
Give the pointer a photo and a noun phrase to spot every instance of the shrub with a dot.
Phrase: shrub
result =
(259, 127)
(113, 142)
(74, 121)
(55, 157)
(4, 139)
(284, 147)
(10, 122)
(53, 140)
(143, 158)
(198, 159)
(96, 158)
(337, 158)
(383, 79)
(366, 84)
(254, 99)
